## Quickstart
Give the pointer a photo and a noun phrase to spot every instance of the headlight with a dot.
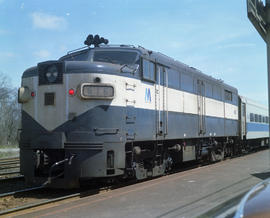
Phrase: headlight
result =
(97, 91)
(24, 95)
(52, 73)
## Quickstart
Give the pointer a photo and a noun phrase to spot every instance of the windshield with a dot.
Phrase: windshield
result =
(76, 56)
(116, 57)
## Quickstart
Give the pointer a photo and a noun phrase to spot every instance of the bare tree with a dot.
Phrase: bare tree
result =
(4, 90)
(9, 112)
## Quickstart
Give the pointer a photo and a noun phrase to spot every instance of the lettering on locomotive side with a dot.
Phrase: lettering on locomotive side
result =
(147, 97)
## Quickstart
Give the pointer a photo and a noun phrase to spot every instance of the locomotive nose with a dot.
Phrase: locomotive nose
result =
(50, 103)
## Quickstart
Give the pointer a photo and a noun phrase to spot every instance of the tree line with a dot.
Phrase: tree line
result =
(9, 112)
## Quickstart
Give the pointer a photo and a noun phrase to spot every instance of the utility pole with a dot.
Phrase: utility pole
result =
(259, 15)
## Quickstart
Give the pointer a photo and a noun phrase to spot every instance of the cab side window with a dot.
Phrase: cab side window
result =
(228, 95)
(148, 70)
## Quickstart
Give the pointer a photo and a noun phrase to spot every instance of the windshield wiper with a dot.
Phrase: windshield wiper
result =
(134, 69)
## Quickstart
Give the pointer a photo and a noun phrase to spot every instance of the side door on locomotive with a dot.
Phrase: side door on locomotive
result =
(155, 88)
(161, 102)
(201, 106)
(242, 117)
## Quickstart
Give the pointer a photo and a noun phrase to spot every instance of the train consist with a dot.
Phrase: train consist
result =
(107, 111)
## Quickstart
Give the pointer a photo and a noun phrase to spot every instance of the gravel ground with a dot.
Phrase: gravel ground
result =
(11, 202)
(29, 197)
(10, 186)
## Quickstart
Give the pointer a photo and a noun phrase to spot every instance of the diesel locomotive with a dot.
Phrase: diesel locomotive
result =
(107, 111)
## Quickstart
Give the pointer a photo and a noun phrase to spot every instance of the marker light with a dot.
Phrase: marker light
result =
(71, 92)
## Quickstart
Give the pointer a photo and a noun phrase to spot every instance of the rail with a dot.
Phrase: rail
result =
(9, 166)
(32, 205)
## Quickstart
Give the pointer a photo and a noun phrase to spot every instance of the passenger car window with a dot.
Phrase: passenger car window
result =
(256, 118)
(251, 117)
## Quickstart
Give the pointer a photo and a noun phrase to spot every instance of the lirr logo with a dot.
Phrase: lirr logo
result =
(147, 97)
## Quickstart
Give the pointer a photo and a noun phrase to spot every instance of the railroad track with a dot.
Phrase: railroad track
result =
(37, 192)
(9, 166)
(22, 197)
(11, 179)
(41, 196)
(20, 191)
(10, 159)
(83, 192)
(40, 203)
(47, 199)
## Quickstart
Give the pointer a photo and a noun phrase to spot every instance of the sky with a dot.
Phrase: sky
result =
(215, 37)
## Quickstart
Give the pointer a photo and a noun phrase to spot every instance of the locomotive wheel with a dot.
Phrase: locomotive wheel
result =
(214, 157)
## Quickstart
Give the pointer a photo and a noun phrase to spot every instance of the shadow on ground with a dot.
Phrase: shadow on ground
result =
(263, 175)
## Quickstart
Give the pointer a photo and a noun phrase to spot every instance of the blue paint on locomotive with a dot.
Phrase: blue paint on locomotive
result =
(257, 127)
(85, 128)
